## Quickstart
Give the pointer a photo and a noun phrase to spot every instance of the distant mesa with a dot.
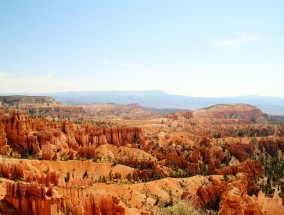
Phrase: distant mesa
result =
(24, 101)
(229, 111)
(40, 106)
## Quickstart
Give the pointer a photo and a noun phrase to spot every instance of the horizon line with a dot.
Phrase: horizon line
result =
(121, 91)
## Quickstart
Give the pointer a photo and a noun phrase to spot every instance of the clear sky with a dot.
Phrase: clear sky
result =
(207, 48)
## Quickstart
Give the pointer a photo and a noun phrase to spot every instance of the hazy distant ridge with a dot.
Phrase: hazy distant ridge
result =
(161, 99)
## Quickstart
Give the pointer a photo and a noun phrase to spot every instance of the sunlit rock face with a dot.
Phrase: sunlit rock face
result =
(32, 198)
(235, 199)
(53, 140)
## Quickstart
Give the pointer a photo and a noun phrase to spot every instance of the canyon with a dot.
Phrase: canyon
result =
(125, 159)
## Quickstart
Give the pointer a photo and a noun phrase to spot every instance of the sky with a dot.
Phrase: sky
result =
(197, 48)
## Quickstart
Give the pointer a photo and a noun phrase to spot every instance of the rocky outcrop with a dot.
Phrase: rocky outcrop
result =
(232, 196)
(118, 136)
(122, 135)
(209, 197)
(270, 205)
(31, 198)
(18, 127)
(18, 171)
(60, 140)
(50, 178)
(235, 199)
(35, 199)
(13, 171)
(4, 148)
(239, 150)
(253, 169)
(80, 200)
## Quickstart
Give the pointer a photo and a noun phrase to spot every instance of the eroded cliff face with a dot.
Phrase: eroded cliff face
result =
(235, 199)
(59, 140)
(253, 169)
(11, 170)
(229, 197)
(33, 198)
(4, 148)
(81, 200)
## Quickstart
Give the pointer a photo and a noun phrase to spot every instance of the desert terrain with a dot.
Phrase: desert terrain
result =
(126, 159)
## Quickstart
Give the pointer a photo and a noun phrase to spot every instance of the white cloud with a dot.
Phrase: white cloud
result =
(242, 39)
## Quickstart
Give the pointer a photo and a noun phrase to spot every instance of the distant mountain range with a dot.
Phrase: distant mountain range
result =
(163, 100)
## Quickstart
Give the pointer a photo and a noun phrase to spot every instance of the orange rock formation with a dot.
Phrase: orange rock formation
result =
(235, 199)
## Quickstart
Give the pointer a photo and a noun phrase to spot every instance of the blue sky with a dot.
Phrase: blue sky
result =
(197, 48)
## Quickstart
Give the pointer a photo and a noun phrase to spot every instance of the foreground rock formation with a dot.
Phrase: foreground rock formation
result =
(31, 198)
(235, 199)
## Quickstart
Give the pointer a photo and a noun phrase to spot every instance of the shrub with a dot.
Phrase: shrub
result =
(183, 208)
